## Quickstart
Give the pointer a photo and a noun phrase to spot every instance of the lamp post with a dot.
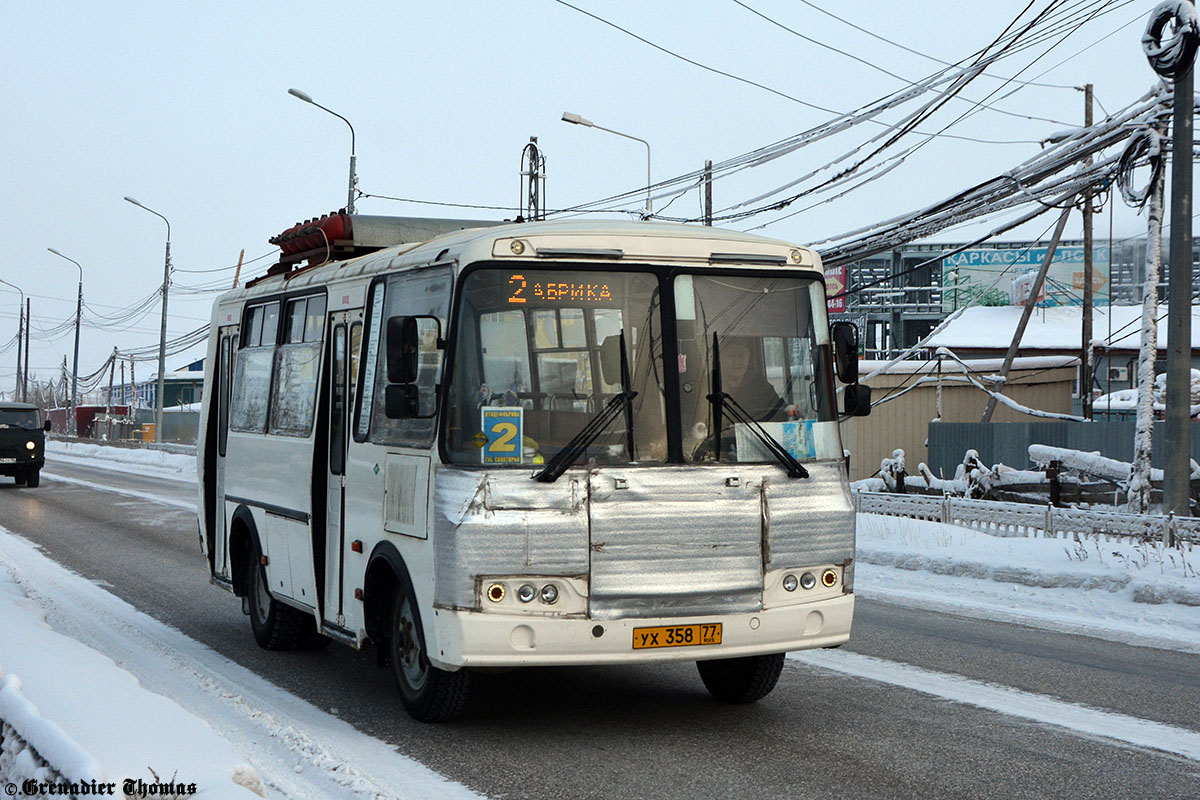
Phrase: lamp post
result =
(353, 177)
(162, 335)
(575, 119)
(72, 424)
(18, 395)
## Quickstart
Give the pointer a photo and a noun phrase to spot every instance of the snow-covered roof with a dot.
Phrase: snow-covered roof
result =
(1056, 328)
(867, 366)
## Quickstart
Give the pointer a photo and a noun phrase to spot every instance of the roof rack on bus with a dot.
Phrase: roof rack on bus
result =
(337, 236)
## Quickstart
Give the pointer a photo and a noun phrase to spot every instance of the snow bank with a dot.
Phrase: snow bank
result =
(138, 460)
(85, 719)
(1134, 573)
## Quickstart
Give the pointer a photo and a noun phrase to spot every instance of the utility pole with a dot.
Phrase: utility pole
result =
(1030, 303)
(708, 193)
(1138, 495)
(1177, 472)
(112, 372)
(1085, 356)
(25, 372)
(20, 351)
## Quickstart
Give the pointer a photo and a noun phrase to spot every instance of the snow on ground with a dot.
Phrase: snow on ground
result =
(1141, 595)
(93, 722)
(1138, 594)
(134, 460)
(106, 712)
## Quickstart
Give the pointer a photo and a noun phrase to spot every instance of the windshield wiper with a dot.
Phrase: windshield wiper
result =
(723, 402)
(580, 442)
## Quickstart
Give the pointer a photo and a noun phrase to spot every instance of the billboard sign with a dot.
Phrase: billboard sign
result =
(968, 277)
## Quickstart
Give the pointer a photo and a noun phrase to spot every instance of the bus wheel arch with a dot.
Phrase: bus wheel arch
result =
(243, 535)
(393, 620)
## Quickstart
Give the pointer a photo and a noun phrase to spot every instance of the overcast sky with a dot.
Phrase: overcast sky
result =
(185, 108)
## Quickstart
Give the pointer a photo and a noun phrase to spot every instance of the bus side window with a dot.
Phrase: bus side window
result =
(252, 371)
(225, 371)
(297, 362)
(424, 293)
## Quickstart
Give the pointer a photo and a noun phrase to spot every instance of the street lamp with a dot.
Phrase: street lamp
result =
(575, 119)
(72, 424)
(162, 335)
(353, 177)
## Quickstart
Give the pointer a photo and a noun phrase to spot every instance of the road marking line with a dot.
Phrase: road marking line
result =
(1013, 702)
(167, 501)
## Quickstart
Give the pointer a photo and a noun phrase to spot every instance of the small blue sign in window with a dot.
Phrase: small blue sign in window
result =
(504, 431)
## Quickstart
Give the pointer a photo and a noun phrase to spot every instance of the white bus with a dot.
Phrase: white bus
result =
(532, 444)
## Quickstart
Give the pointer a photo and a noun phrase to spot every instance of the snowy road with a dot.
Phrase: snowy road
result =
(921, 703)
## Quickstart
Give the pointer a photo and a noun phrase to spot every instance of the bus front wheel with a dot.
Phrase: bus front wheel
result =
(741, 680)
(429, 694)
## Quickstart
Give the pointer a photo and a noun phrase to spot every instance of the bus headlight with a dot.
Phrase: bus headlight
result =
(496, 592)
(828, 578)
(550, 594)
(526, 593)
(30, 446)
(790, 583)
(808, 580)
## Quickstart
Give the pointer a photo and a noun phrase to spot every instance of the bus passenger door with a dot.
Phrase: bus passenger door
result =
(226, 351)
(343, 354)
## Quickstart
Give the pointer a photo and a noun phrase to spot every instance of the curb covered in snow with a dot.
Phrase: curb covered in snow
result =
(1143, 592)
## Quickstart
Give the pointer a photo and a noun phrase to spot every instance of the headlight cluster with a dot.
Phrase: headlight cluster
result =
(808, 580)
(30, 445)
(526, 593)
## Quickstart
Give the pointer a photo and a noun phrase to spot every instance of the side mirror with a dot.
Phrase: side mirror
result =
(845, 350)
(402, 401)
(403, 355)
(856, 400)
(46, 426)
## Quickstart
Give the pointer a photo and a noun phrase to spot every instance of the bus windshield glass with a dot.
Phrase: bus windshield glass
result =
(774, 370)
(538, 357)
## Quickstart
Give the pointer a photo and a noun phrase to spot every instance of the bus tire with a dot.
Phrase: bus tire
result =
(32, 478)
(276, 626)
(19, 479)
(429, 694)
(741, 680)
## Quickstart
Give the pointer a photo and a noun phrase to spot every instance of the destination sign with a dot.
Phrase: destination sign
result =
(523, 290)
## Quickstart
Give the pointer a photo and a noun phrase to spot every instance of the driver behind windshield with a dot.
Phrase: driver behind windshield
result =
(744, 379)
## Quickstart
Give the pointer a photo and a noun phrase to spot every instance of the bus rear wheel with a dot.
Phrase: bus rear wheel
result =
(741, 680)
(429, 694)
(276, 626)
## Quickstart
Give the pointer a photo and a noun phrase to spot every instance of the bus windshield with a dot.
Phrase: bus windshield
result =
(773, 367)
(537, 359)
(538, 356)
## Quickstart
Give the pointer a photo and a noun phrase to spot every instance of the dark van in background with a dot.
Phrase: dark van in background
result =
(22, 442)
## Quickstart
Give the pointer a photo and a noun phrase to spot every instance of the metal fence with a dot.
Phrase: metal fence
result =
(1026, 520)
(1008, 442)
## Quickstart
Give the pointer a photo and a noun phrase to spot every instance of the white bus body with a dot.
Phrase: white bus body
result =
(436, 535)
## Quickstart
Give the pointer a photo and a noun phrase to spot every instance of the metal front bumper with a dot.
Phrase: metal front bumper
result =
(472, 639)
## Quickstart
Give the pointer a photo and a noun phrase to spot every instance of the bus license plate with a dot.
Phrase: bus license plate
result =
(677, 636)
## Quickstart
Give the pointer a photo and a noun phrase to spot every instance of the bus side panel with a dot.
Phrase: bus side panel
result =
(276, 472)
(502, 523)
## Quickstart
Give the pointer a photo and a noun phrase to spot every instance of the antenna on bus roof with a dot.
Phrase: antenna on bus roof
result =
(533, 181)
